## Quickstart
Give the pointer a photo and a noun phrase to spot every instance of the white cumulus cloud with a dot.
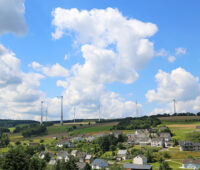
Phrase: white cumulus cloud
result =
(180, 85)
(12, 17)
(114, 48)
(180, 51)
(171, 59)
(19, 92)
(55, 70)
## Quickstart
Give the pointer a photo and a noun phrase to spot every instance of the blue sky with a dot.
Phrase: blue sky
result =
(175, 50)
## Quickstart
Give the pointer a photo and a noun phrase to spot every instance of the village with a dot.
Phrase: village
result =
(122, 155)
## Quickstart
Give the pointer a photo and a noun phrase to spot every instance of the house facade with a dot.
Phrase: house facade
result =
(88, 159)
(191, 164)
(122, 155)
(189, 146)
(139, 162)
(157, 142)
(63, 155)
(99, 164)
(166, 136)
(64, 142)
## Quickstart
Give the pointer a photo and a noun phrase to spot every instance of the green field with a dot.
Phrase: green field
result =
(95, 130)
(180, 120)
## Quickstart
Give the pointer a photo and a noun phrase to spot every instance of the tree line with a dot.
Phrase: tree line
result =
(137, 123)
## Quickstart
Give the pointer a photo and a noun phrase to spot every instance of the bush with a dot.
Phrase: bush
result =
(4, 140)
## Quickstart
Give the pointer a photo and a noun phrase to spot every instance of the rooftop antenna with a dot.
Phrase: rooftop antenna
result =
(41, 112)
(174, 100)
(74, 114)
(46, 113)
(61, 110)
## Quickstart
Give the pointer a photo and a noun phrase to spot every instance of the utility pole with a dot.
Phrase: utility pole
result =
(174, 105)
(74, 114)
(41, 122)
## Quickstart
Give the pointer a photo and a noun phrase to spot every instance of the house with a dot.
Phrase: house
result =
(130, 136)
(99, 164)
(81, 156)
(64, 142)
(122, 155)
(197, 127)
(63, 155)
(189, 146)
(52, 161)
(43, 153)
(137, 132)
(157, 142)
(131, 141)
(191, 164)
(88, 159)
(142, 135)
(140, 159)
(163, 128)
(139, 162)
(74, 153)
(166, 136)
(90, 138)
(116, 133)
(101, 135)
(33, 144)
(153, 135)
(80, 165)
(143, 141)
(129, 166)
(77, 139)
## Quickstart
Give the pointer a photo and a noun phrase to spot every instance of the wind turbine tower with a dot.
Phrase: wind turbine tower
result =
(61, 121)
(41, 122)
(74, 114)
(136, 111)
(61, 109)
(46, 113)
(99, 112)
(174, 105)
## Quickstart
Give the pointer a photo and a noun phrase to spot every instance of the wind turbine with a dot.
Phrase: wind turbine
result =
(41, 121)
(74, 114)
(174, 100)
(99, 112)
(46, 112)
(136, 108)
(61, 110)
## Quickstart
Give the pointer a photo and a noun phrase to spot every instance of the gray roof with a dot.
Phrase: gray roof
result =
(88, 157)
(45, 152)
(137, 166)
(101, 134)
(157, 140)
(165, 135)
(122, 152)
(81, 165)
(100, 163)
(81, 154)
(62, 142)
(74, 152)
(188, 143)
(141, 156)
(63, 154)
